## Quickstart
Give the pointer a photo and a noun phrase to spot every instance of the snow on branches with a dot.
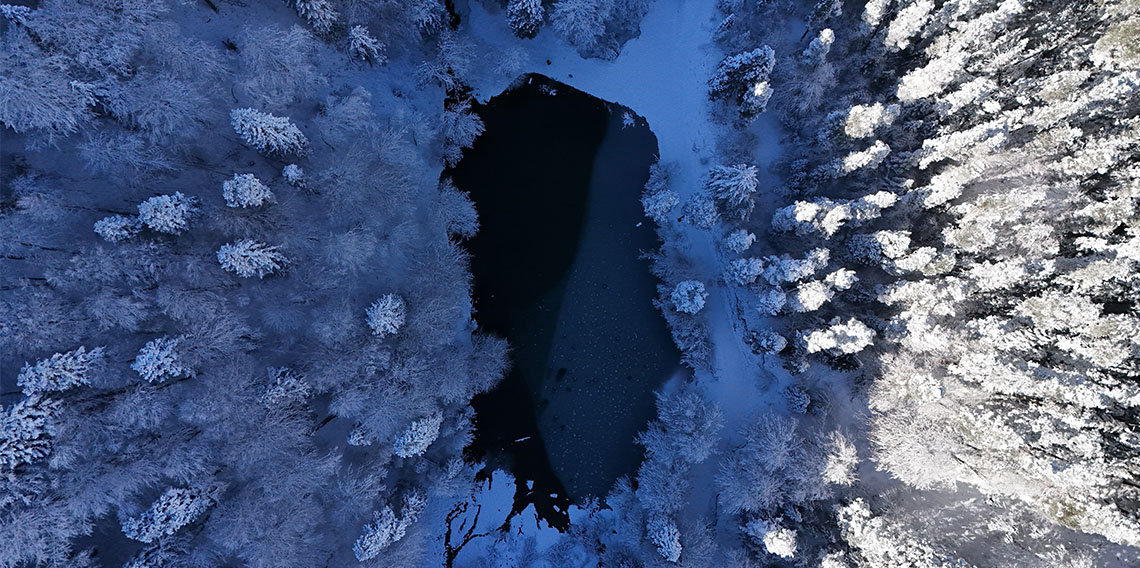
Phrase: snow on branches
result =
(249, 258)
(168, 213)
(689, 296)
(268, 133)
(414, 441)
(159, 360)
(60, 372)
(387, 527)
(174, 509)
(245, 190)
(386, 315)
(26, 430)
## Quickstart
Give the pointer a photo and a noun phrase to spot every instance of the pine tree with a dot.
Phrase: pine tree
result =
(268, 133)
(689, 296)
(733, 186)
(159, 360)
(525, 17)
(249, 258)
(118, 228)
(245, 190)
(174, 509)
(168, 213)
(743, 78)
(60, 372)
(319, 13)
(362, 46)
(414, 441)
(663, 533)
(581, 22)
(386, 315)
(26, 430)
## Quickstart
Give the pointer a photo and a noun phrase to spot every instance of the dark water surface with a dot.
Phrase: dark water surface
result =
(556, 179)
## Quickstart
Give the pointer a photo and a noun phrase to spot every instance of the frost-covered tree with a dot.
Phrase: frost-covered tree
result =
(362, 46)
(117, 228)
(60, 372)
(286, 388)
(169, 213)
(160, 360)
(386, 315)
(734, 187)
(658, 200)
(738, 241)
(294, 175)
(744, 271)
(174, 509)
(689, 296)
(460, 127)
(581, 22)
(743, 78)
(387, 528)
(245, 190)
(700, 211)
(268, 133)
(414, 440)
(819, 47)
(776, 539)
(525, 17)
(320, 14)
(663, 533)
(26, 431)
(249, 258)
(851, 336)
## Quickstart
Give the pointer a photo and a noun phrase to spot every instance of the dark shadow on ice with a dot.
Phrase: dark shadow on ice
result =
(556, 179)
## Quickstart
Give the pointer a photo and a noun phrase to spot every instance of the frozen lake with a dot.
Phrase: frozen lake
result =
(558, 271)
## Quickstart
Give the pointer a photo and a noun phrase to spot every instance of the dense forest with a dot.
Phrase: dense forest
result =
(898, 251)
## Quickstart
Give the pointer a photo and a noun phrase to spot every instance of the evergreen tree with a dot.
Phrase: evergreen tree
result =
(525, 17)
(268, 133)
(250, 258)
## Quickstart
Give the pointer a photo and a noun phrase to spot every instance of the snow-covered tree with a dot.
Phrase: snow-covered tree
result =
(174, 509)
(168, 213)
(26, 430)
(744, 271)
(738, 241)
(733, 186)
(658, 200)
(851, 336)
(285, 388)
(863, 120)
(460, 127)
(525, 17)
(700, 211)
(249, 258)
(743, 78)
(362, 46)
(159, 360)
(387, 527)
(663, 533)
(268, 133)
(294, 175)
(414, 440)
(581, 22)
(245, 190)
(117, 228)
(819, 47)
(689, 296)
(776, 539)
(320, 14)
(60, 372)
(386, 315)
